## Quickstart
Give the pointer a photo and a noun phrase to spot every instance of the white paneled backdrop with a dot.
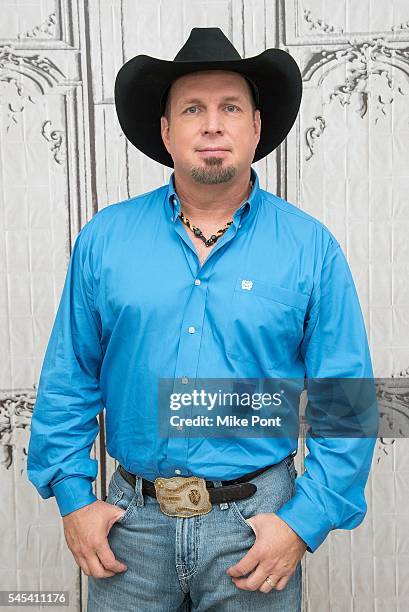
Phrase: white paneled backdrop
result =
(63, 157)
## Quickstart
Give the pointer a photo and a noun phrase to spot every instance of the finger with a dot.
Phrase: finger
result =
(121, 515)
(108, 560)
(266, 587)
(282, 583)
(82, 563)
(96, 568)
(246, 564)
(256, 580)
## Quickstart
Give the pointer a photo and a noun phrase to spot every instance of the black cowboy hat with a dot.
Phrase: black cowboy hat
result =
(142, 84)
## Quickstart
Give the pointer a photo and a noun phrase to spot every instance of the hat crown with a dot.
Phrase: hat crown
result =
(206, 44)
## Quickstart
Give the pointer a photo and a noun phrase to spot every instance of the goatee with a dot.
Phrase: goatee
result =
(214, 172)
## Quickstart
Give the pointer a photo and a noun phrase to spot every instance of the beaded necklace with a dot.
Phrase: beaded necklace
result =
(198, 232)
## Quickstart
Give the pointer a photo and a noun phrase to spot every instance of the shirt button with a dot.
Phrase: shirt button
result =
(177, 471)
(185, 380)
(239, 224)
(191, 329)
(197, 281)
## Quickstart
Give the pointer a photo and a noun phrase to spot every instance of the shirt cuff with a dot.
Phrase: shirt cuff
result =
(309, 523)
(73, 493)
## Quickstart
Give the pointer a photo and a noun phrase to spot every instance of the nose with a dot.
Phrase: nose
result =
(212, 122)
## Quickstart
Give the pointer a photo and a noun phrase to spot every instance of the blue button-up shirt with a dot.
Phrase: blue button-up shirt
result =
(137, 306)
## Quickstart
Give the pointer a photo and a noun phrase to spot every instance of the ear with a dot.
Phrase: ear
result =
(164, 129)
(257, 126)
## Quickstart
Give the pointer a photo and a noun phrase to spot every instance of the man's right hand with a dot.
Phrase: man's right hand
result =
(86, 531)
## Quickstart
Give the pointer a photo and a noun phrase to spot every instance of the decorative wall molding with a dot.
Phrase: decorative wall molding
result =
(47, 29)
(59, 30)
(57, 138)
(400, 27)
(304, 26)
(319, 24)
(17, 99)
(16, 411)
(393, 402)
(41, 71)
(363, 60)
(312, 133)
(28, 76)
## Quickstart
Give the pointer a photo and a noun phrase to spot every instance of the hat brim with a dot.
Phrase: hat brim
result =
(141, 82)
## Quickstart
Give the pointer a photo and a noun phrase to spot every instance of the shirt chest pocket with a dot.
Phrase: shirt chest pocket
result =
(266, 323)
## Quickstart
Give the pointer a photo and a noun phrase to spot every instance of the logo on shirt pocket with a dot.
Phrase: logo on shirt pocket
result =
(247, 284)
(266, 323)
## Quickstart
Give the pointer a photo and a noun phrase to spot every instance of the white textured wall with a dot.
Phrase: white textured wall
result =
(63, 157)
(347, 164)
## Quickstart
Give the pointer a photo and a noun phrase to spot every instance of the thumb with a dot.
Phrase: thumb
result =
(120, 516)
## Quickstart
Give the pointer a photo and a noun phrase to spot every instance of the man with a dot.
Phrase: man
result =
(209, 276)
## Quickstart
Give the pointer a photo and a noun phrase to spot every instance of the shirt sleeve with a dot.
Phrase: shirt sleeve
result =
(330, 493)
(64, 423)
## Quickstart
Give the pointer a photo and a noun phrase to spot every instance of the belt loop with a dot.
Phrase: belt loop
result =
(223, 505)
(140, 501)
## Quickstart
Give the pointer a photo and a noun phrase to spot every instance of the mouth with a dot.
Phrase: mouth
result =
(213, 150)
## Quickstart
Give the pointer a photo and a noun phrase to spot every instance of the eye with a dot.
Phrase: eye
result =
(187, 110)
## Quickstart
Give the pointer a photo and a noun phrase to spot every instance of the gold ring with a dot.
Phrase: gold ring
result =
(270, 582)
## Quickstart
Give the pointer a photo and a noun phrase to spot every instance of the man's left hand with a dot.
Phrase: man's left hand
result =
(275, 553)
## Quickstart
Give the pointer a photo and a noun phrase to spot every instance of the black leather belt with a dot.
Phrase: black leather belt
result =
(231, 490)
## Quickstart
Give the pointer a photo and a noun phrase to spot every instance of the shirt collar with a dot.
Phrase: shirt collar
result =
(243, 214)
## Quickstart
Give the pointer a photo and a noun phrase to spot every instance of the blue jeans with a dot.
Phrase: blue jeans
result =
(179, 564)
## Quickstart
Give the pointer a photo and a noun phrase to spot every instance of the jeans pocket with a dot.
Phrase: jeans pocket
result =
(121, 494)
(240, 513)
(292, 472)
(289, 462)
(275, 487)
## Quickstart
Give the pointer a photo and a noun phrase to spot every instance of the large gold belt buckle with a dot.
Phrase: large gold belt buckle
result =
(183, 496)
